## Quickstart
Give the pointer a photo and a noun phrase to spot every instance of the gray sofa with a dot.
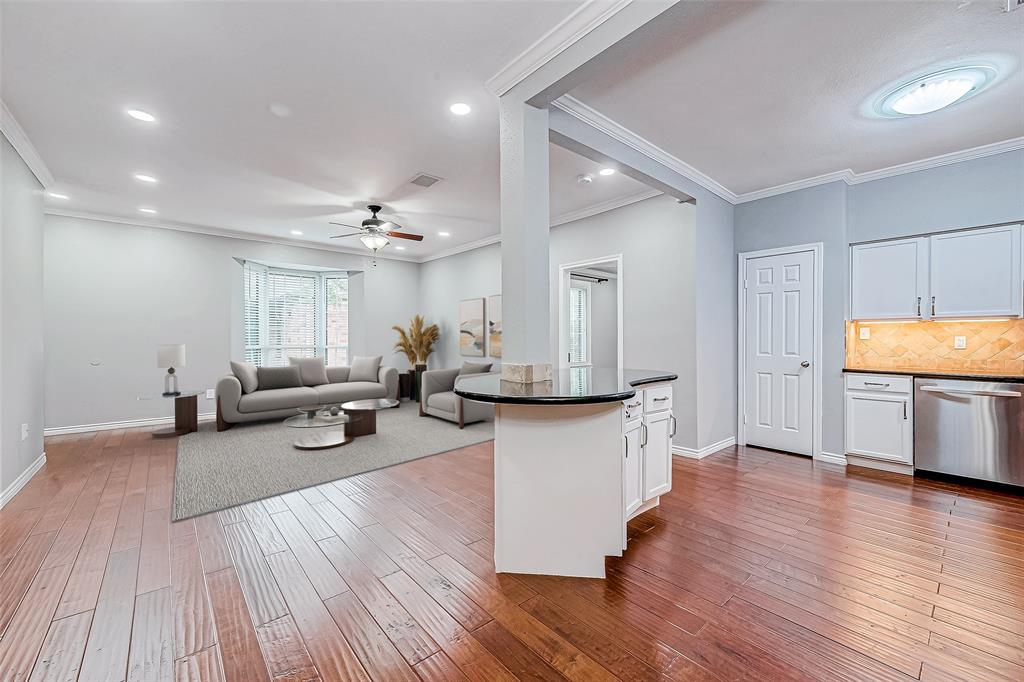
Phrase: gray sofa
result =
(438, 399)
(234, 406)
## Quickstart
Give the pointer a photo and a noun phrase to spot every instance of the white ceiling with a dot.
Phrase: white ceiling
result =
(756, 95)
(368, 85)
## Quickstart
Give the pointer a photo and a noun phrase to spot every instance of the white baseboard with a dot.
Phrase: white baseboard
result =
(894, 467)
(831, 458)
(703, 452)
(126, 424)
(20, 482)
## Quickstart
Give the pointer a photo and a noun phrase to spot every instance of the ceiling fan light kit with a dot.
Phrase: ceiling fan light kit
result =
(374, 233)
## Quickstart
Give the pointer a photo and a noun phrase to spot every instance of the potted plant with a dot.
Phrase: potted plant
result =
(417, 343)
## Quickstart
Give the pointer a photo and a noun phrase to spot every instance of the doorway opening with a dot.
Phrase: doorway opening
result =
(590, 313)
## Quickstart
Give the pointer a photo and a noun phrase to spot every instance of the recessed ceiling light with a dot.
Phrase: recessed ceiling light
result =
(460, 109)
(935, 91)
(147, 210)
(143, 177)
(444, 234)
(140, 115)
(297, 233)
(399, 248)
(280, 110)
(57, 195)
(607, 171)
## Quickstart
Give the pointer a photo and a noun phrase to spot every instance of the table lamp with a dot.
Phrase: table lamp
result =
(170, 356)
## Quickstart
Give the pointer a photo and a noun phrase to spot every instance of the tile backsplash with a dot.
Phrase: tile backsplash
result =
(991, 345)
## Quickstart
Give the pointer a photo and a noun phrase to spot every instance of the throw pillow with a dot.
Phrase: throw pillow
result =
(278, 377)
(312, 370)
(245, 372)
(365, 369)
(474, 368)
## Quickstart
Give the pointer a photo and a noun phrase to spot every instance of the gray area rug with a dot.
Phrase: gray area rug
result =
(252, 461)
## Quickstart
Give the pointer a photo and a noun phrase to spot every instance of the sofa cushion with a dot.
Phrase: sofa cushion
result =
(278, 399)
(475, 368)
(365, 369)
(278, 377)
(446, 400)
(337, 375)
(311, 370)
(246, 374)
(352, 390)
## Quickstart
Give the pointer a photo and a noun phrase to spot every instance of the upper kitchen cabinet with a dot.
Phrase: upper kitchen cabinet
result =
(976, 273)
(889, 280)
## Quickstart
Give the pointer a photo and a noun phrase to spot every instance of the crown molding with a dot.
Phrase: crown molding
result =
(583, 20)
(14, 133)
(604, 206)
(216, 232)
(851, 177)
(596, 119)
(462, 248)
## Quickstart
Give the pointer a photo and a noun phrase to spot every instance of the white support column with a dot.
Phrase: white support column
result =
(525, 226)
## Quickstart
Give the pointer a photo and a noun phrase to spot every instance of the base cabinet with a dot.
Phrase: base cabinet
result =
(648, 428)
(880, 419)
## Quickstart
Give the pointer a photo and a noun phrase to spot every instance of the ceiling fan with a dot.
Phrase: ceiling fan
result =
(374, 232)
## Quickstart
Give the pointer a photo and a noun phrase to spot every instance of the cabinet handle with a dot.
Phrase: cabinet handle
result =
(626, 438)
(875, 383)
(933, 306)
(904, 411)
(673, 434)
(661, 399)
(919, 306)
(643, 430)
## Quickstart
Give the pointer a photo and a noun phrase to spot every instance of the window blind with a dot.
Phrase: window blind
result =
(291, 313)
(578, 325)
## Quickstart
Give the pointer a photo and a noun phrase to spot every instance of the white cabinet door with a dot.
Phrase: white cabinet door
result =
(976, 273)
(880, 426)
(657, 446)
(632, 474)
(889, 280)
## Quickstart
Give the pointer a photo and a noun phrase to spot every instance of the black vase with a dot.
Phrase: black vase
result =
(417, 375)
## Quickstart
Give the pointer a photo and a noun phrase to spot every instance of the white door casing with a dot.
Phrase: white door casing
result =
(778, 351)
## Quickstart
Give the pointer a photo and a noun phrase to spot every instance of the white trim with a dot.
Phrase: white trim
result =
(881, 465)
(125, 424)
(701, 453)
(563, 291)
(14, 133)
(837, 176)
(215, 232)
(462, 248)
(818, 249)
(831, 458)
(564, 35)
(20, 481)
(604, 206)
(599, 121)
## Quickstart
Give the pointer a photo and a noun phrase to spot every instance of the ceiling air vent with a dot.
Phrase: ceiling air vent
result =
(424, 180)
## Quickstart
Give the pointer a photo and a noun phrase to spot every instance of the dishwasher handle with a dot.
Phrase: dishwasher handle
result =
(965, 391)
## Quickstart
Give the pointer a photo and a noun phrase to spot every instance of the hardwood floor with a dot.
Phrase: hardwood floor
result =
(757, 566)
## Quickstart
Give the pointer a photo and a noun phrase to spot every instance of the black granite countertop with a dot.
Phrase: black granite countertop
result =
(939, 374)
(574, 386)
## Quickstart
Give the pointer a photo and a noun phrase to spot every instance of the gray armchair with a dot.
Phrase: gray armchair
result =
(438, 399)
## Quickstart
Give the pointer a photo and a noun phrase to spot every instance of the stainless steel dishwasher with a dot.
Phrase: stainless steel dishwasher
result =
(970, 428)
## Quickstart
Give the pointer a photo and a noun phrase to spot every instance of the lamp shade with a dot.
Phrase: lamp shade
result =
(170, 355)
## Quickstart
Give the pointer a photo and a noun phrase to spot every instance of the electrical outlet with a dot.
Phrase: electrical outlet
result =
(24, 431)
(959, 342)
(209, 394)
(865, 333)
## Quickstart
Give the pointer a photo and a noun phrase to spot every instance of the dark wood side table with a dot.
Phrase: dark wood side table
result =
(186, 414)
(363, 414)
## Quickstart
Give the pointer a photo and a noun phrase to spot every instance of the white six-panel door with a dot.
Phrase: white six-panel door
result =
(778, 351)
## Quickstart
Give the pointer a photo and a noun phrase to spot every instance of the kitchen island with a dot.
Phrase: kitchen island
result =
(574, 459)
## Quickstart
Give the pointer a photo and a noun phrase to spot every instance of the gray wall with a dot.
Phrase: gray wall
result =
(21, 315)
(659, 304)
(817, 214)
(984, 191)
(114, 292)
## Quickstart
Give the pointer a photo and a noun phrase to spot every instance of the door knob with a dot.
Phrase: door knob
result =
(805, 364)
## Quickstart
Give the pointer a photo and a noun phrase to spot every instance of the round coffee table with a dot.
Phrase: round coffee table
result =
(363, 414)
(323, 437)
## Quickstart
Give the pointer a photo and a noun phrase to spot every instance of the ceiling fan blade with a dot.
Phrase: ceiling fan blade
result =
(405, 235)
(354, 227)
(350, 234)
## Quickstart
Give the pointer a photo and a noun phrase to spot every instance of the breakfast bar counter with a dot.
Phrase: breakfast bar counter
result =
(574, 459)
